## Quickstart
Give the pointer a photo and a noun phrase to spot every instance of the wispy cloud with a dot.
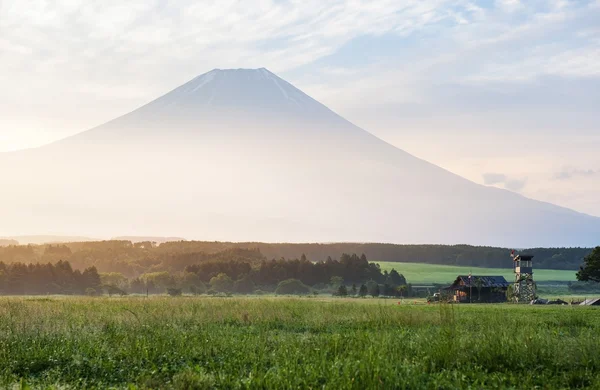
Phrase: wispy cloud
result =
(512, 184)
(97, 53)
(515, 184)
(494, 178)
(223, 33)
(569, 173)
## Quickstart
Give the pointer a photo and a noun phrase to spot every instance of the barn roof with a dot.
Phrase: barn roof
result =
(486, 281)
(591, 302)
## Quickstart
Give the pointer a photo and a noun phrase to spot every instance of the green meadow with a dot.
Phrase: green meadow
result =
(293, 343)
(418, 273)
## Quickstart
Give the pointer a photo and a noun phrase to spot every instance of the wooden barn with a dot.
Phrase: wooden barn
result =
(478, 289)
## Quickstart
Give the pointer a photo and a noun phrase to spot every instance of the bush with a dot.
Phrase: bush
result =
(114, 290)
(245, 285)
(364, 290)
(174, 292)
(373, 288)
(584, 287)
(198, 289)
(91, 292)
(292, 287)
(221, 283)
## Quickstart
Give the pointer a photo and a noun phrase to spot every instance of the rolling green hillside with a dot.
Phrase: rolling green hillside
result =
(416, 273)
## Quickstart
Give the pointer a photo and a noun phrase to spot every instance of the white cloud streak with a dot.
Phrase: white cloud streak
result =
(86, 62)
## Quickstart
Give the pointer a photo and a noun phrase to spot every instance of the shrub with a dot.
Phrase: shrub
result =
(292, 286)
(221, 283)
(174, 292)
(363, 290)
(373, 288)
(114, 290)
(91, 292)
(245, 285)
(198, 289)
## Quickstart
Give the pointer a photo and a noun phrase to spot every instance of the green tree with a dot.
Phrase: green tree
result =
(159, 280)
(244, 285)
(375, 292)
(91, 292)
(191, 281)
(402, 289)
(116, 279)
(174, 292)
(395, 279)
(590, 271)
(373, 288)
(91, 278)
(354, 290)
(221, 283)
(112, 290)
(336, 281)
(342, 291)
(292, 286)
(363, 291)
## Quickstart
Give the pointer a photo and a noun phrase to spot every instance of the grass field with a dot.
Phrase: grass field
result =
(417, 273)
(293, 343)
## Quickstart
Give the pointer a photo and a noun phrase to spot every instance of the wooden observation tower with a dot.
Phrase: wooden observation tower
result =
(524, 287)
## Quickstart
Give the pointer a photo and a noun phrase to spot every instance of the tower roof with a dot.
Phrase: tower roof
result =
(523, 257)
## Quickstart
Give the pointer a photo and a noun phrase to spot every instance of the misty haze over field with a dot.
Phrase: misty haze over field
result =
(243, 155)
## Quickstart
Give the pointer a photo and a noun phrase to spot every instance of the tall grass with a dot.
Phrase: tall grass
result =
(293, 343)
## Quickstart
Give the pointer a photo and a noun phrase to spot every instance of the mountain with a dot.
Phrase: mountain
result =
(40, 240)
(8, 242)
(158, 240)
(243, 155)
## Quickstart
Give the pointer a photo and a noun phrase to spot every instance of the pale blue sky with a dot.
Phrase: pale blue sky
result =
(505, 89)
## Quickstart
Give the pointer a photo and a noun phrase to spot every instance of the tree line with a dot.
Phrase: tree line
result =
(135, 259)
(350, 275)
(59, 278)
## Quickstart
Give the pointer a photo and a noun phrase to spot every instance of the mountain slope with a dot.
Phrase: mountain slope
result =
(244, 155)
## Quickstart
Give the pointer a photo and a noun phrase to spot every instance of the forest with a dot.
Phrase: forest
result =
(42, 279)
(232, 271)
(133, 259)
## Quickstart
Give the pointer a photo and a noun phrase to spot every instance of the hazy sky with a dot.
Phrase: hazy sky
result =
(505, 93)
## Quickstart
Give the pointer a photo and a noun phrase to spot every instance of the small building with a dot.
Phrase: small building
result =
(478, 289)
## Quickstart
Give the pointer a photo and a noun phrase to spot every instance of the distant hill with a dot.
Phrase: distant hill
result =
(158, 240)
(6, 242)
(460, 255)
(39, 240)
(243, 155)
